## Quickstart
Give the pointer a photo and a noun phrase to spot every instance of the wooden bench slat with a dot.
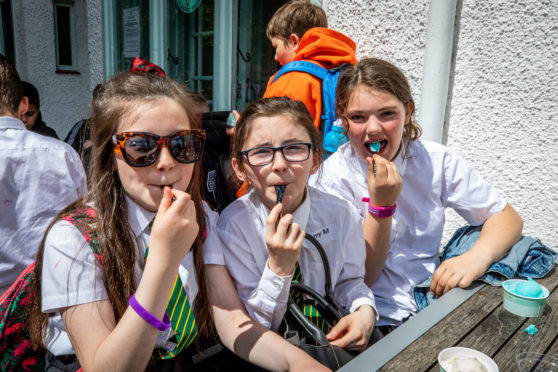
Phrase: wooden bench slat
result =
(446, 333)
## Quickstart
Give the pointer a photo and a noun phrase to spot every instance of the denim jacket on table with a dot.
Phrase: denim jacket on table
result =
(528, 258)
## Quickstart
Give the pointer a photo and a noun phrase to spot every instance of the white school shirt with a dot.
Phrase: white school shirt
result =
(434, 177)
(334, 223)
(39, 176)
(72, 276)
(212, 246)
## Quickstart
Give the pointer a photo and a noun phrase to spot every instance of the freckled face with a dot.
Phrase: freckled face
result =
(144, 185)
(374, 115)
(273, 132)
(284, 51)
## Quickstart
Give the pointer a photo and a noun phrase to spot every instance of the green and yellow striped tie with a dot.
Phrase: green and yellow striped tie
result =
(181, 316)
(308, 309)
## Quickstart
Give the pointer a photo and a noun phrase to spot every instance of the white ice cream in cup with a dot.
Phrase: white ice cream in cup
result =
(463, 359)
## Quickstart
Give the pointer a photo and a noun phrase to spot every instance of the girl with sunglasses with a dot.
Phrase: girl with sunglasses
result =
(142, 293)
(277, 146)
(140, 300)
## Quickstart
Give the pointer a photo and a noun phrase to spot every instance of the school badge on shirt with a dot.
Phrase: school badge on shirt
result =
(322, 234)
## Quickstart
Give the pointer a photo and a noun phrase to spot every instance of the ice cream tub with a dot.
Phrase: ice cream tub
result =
(522, 303)
(464, 359)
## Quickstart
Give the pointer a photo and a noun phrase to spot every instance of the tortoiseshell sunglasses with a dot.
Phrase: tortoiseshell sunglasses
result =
(141, 149)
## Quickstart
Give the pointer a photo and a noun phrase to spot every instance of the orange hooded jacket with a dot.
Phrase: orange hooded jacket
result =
(323, 47)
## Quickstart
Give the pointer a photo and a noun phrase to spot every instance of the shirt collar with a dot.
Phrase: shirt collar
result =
(9, 122)
(138, 218)
(300, 215)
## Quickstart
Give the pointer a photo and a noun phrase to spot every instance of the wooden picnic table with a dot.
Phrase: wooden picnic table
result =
(479, 322)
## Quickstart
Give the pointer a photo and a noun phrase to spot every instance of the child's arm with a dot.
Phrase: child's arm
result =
(499, 233)
(246, 337)
(351, 293)
(284, 242)
(384, 188)
(262, 272)
(101, 343)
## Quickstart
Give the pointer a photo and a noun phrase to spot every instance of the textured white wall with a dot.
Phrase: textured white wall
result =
(504, 110)
(64, 97)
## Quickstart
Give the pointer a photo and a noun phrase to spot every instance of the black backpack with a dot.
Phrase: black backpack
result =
(219, 184)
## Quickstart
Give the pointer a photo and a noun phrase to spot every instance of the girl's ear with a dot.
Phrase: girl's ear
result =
(238, 170)
(315, 163)
(409, 111)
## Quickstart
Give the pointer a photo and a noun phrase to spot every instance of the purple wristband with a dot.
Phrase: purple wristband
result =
(148, 317)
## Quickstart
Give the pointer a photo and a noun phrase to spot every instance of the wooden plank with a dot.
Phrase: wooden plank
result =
(539, 342)
(447, 332)
(384, 350)
(493, 332)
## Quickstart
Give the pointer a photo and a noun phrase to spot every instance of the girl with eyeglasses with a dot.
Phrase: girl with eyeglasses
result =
(121, 277)
(277, 147)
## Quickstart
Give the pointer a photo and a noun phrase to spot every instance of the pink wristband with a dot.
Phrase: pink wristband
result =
(380, 211)
(148, 317)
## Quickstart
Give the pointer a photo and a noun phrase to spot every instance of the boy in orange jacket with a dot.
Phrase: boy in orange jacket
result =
(298, 32)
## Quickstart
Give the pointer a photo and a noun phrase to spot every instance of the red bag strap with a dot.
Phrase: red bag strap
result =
(84, 219)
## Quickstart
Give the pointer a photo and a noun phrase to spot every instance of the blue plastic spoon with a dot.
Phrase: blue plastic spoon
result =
(375, 148)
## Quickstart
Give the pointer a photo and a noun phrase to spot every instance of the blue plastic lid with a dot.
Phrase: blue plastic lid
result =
(528, 288)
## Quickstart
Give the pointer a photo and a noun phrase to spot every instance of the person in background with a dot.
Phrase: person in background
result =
(80, 139)
(33, 118)
(201, 104)
(298, 32)
(38, 177)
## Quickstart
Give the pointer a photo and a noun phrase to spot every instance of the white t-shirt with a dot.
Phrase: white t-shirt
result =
(72, 276)
(39, 176)
(333, 222)
(434, 177)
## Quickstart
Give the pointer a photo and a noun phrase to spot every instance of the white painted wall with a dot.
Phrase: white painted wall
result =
(504, 106)
(64, 97)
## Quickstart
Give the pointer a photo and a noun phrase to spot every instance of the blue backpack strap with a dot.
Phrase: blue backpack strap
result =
(302, 66)
(329, 89)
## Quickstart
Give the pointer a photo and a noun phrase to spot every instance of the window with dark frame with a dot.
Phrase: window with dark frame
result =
(7, 47)
(64, 36)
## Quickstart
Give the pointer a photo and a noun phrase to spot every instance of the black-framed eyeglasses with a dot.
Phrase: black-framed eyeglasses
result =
(141, 149)
(293, 152)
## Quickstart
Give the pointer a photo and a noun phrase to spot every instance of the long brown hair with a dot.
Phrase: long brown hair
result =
(117, 99)
(381, 75)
